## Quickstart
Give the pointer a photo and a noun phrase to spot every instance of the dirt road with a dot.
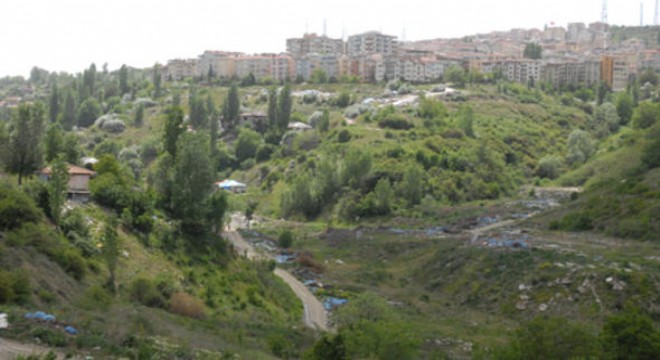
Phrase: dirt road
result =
(314, 314)
(11, 349)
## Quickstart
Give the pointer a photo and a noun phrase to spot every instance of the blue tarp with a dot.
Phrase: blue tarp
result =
(332, 302)
(71, 330)
(40, 315)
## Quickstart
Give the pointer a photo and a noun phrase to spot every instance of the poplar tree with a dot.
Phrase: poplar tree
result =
(24, 150)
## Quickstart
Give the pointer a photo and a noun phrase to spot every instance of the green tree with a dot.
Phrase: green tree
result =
(123, 80)
(217, 207)
(466, 120)
(624, 106)
(412, 185)
(645, 115)
(53, 142)
(605, 120)
(285, 239)
(58, 185)
(284, 106)
(157, 80)
(383, 196)
(354, 168)
(272, 109)
(431, 109)
(250, 208)
(580, 147)
(138, 120)
(23, 156)
(300, 198)
(71, 148)
(111, 250)
(54, 105)
(88, 112)
(324, 123)
(247, 144)
(455, 75)
(319, 76)
(69, 116)
(630, 335)
(231, 108)
(549, 167)
(329, 347)
(193, 179)
(89, 82)
(212, 112)
(173, 130)
(198, 111)
(533, 51)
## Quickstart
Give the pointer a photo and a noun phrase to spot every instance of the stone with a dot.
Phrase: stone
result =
(543, 307)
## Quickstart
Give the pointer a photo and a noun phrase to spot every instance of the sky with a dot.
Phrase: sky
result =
(69, 35)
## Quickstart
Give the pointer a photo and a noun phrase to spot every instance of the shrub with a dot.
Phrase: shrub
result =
(307, 260)
(285, 239)
(73, 263)
(549, 167)
(396, 123)
(343, 136)
(184, 304)
(96, 298)
(144, 291)
(50, 337)
(16, 208)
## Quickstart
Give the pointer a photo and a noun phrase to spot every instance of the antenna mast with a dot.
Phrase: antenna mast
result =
(603, 16)
(655, 17)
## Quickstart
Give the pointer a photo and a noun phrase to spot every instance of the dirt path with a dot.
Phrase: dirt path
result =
(314, 314)
(11, 349)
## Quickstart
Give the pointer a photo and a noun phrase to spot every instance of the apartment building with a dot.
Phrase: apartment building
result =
(179, 69)
(617, 70)
(522, 70)
(372, 42)
(314, 44)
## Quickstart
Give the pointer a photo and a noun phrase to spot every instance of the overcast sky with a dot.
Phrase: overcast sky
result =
(68, 35)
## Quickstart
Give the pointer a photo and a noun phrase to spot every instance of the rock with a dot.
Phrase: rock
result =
(521, 305)
(609, 280)
(522, 287)
(543, 307)
(523, 297)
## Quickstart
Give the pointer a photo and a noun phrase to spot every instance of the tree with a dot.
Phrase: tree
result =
(88, 112)
(533, 51)
(138, 120)
(250, 208)
(247, 144)
(630, 335)
(329, 348)
(69, 116)
(232, 108)
(123, 80)
(71, 148)
(111, 249)
(173, 130)
(193, 179)
(284, 106)
(648, 76)
(605, 120)
(319, 76)
(580, 147)
(412, 186)
(466, 120)
(24, 150)
(354, 168)
(213, 125)
(198, 113)
(624, 107)
(89, 82)
(54, 142)
(456, 75)
(272, 109)
(217, 207)
(324, 123)
(57, 188)
(157, 81)
(601, 93)
(54, 105)
(645, 115)
(383, 196)
(549, 167)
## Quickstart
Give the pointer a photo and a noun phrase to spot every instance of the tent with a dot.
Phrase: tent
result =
(231, 185)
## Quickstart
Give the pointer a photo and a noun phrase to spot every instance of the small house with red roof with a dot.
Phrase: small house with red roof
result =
(78, 181)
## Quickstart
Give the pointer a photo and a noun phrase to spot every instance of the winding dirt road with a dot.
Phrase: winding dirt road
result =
(314, 315)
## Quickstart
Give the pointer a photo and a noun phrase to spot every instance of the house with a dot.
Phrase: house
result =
(231, 185)
(257, 120)
(78, 189)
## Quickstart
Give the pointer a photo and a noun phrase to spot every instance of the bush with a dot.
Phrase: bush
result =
(344, 136)
(50, 337)
(285, 239)
(144, 291)
(72, 261)
(395, 123)
(96, 298)
(549, 167)
(184, 304)
(16, 208)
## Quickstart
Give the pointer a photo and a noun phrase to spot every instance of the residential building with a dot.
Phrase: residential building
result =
(372, 42)
(78, 186)
(179, 69)
(314, 44)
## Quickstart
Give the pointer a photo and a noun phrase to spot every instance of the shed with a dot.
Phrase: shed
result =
(78, 189)
(231, 185)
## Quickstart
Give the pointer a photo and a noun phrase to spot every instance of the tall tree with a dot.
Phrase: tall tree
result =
(139, 116)
(157, 81)
(111, 249)
(54, 142)
(232, 108)
(284, 106)
(213, 125)
(605, 120)
(69, 116)
(54, 108)
(466, 120)
(89, 82)
(412, 186)
(580, 147)
(24, 153)
(198, 113)
(172, 129)
(123, 80)
(88, 112)
(272, 109)
(193, 179)
(533, 51)
(217, 207)
(57, 188)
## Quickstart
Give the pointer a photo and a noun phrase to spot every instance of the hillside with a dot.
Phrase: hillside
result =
(432, 220)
